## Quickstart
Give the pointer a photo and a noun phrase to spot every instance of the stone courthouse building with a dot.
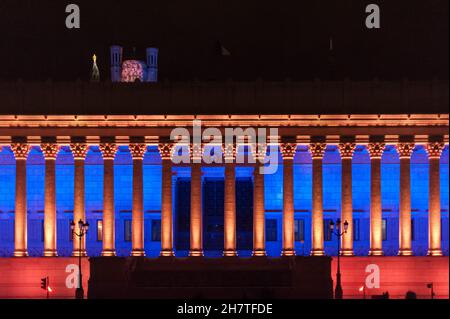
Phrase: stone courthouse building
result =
(371, 152)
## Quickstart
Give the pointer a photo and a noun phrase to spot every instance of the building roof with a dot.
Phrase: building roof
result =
(265, 39)
(228, 97)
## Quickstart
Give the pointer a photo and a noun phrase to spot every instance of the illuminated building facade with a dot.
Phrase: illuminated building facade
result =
(385, 173)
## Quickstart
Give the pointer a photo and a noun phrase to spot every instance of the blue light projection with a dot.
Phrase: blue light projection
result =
(273, 198)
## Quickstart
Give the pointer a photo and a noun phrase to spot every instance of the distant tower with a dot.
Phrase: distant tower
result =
(116, 63)
(95, 73)
(152, 65)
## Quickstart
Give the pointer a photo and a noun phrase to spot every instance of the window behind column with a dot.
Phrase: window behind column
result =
(99, 230)
(384, 228)
(271, 230)
(327, 232)
(156, 230)
(299, 229)
(127, 230)
(356, 236)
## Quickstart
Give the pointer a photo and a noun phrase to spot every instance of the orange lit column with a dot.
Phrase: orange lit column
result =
(79, 151)
(434, 151)
(196, 236)
(376, 217)
(259, 240)
(20, 213)
(137, 221)
(346, 150)
(50, 151)
(405, 150)
(165, 149)
(108, 151)
(288, 153)
(230, 201)
(317, 152)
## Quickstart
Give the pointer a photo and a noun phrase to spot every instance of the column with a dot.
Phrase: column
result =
(79, 151)
(229, 152)
(288, 152)
(259, 222)
(405, 150)
(20, 214)
(196, 236)
(346, 150)
(376, 214)
(108, 152)
(166, 149)
(50, 151)
(434, 151)
(137, 219)
(317, 152)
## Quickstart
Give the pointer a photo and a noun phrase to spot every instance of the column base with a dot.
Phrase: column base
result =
(317, 253)
(167, 253)
(137, 253)
(347, 253)
(109, 253)
(375, 252)
(405, 252)
(259, 253)
(50, 253)
(77, 253)
(196, 253)
(288, 253)
(20, 253)
(434, 252)
(230, 253)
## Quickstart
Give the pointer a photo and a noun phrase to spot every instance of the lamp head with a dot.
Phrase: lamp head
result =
(345, 226)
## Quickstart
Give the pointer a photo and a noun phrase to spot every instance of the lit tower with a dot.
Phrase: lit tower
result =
(95, 73)
(116, 63)
(152, 65)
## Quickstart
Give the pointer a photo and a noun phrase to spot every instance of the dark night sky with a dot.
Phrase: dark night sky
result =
(272, 40)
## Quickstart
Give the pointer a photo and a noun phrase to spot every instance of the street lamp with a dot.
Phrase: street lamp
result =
(83, 229)
(336, 229)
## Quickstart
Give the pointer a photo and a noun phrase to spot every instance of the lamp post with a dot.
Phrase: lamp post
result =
(83, 229)
(336, 229)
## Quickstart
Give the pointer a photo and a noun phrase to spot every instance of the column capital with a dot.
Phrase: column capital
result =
(258, 150)
(229, 152)
(108, 150)
(79, 150)
(288, 150)
(166, 150)
(434, 149)
(50, 150)
(138, 150)
(317, 149)
(346, 150)
(376, 149)
(20, 150)
(405, 149)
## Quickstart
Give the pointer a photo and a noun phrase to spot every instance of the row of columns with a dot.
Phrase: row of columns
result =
(108, 150)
